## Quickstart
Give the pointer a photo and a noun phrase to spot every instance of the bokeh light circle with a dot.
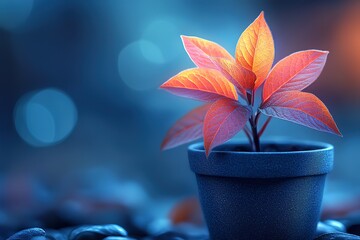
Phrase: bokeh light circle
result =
(135, 69)
(166, 35)
(45, 117)
(13, 13)
(151, 52)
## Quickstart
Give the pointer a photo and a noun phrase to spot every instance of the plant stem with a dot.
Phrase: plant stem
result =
(253, 123)
(249, 98)
(255, 134)
(257, 116)
(264, 126)
(248, 135)
(252, 98)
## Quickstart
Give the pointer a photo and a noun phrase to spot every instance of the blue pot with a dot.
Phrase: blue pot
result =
(262, 195)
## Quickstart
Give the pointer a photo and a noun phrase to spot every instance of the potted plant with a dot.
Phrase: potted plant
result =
(260, 190)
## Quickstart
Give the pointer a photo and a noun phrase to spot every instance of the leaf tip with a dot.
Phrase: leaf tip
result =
(162, 86)
(337, 132)
(207, 152)
(261, 17)
(163, 146)
(184, 40)
(183, 37)
(323, 52)
(335, 129)
(207, 145)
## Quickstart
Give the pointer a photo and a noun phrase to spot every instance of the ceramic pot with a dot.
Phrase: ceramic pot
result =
(275, 194)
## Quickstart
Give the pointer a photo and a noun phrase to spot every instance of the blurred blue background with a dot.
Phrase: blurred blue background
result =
(81, 115)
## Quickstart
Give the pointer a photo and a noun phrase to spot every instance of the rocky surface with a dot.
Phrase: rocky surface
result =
(330, 229)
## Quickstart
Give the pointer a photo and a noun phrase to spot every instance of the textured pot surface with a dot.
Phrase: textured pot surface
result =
(265, 195)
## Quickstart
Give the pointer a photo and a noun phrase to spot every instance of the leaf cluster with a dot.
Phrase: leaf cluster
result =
(228, 87)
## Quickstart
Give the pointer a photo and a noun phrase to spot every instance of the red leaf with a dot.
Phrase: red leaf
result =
(295, 72)
(302, 108)
(223, 120)
(186, 129)
(201, 84)
(255, 49)
(201, 51)
(241, 77)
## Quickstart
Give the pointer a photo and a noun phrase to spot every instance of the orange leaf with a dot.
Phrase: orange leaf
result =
(201, 84)
(223, 120)
(295, 72)
(255, 49)
(186, 129)
(302, 108)
(241, 77)
(201, 51)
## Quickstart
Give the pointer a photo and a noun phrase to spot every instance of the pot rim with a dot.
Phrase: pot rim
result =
(317, 145)
(315, 161)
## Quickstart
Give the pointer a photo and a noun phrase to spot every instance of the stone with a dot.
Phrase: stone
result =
(337, 236)
(97, 232)
(28, 234)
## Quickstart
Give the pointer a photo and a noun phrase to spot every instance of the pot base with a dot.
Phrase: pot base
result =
(239, 208)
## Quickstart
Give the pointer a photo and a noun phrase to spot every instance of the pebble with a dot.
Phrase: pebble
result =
(337, 236)
(28, 234)
(323, 228)
(56, 235)
(339, 226)
(97, 232)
